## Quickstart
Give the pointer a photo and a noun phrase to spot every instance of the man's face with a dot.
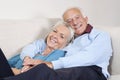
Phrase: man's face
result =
(75, 18)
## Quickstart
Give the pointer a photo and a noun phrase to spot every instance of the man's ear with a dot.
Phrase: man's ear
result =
(86, 18)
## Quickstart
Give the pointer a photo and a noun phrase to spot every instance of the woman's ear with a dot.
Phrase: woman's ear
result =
(46, 39)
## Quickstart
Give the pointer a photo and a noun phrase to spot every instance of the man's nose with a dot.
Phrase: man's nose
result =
(74, 23)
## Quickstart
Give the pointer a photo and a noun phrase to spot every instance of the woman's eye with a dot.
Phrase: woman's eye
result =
(62, 36)
(55, 31)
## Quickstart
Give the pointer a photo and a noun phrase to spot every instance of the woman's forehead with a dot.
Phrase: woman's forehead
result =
(62, 29)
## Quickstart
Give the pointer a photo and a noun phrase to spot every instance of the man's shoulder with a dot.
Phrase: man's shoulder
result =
(99, 31)
(96, 33)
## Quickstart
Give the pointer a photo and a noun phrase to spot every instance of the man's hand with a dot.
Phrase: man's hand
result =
(49, 64)
(34, 62)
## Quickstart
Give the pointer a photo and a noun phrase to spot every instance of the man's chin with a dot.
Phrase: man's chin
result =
(78, 33)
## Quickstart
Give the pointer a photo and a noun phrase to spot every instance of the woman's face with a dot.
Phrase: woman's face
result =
(58, 37)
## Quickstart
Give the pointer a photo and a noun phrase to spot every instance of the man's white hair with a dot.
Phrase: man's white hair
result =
(77, 8)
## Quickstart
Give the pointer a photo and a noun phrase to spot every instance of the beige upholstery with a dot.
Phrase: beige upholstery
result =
(15, 34)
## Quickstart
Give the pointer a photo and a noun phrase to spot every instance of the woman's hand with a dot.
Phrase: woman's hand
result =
(16, 71)
(25, 68)
(26, 58)
(32, 62)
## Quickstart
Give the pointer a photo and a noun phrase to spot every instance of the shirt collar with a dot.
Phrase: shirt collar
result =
(88, 29)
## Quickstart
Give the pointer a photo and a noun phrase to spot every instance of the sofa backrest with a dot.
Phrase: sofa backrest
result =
(15, 34)
(115, 36)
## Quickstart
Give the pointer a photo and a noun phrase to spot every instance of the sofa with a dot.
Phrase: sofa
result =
(15, 34)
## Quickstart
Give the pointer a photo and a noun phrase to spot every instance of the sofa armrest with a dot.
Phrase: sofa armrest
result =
(115, 77)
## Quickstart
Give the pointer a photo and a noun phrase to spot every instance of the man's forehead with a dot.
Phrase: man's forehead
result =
(71, 13)
(73, 16)
(73, 10)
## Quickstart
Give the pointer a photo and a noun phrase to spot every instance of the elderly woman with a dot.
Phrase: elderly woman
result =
(48, 50)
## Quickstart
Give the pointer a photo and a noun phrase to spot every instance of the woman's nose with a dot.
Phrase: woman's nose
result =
(55, 35)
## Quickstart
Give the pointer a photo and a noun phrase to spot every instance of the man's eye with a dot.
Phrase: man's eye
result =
(68, 21)
(77, 17)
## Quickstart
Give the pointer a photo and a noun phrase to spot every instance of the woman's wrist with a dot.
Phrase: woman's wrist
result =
(26, 57)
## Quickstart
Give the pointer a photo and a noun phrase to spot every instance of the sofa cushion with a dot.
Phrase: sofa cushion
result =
(114, 77)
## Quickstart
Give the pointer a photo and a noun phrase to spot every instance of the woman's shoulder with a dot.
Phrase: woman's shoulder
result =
(40, 41)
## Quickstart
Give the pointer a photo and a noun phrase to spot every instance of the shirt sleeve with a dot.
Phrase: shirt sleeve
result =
(97, 52)
(32, 49)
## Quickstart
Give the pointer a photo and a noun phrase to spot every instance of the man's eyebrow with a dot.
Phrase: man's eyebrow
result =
(68, 19)
(72, 17)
